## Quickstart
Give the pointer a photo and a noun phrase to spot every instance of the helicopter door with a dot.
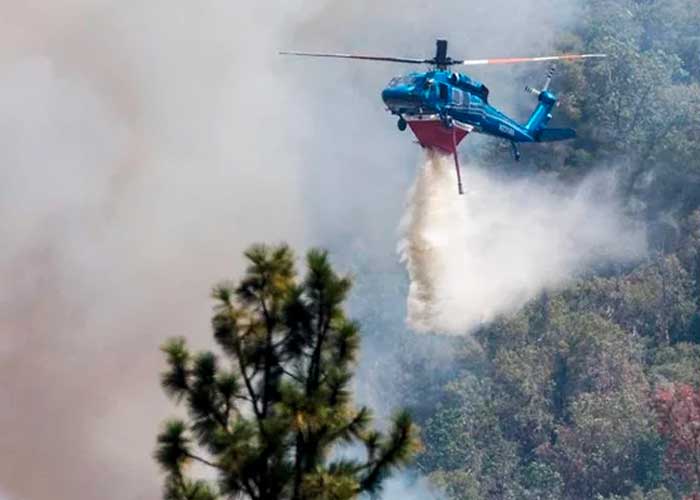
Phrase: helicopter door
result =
(444, 92)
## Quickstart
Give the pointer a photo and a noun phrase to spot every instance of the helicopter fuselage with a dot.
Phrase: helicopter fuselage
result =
(434, 102)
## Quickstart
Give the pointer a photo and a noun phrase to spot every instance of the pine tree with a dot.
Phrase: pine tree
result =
(270, 416)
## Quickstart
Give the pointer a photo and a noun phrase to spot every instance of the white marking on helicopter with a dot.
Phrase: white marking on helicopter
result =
(506, 130)
(511, 60)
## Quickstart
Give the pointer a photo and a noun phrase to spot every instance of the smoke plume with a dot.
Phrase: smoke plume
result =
(473, 257)
(144, 145)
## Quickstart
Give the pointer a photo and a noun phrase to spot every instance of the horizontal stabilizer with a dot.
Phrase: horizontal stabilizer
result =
(555, 134)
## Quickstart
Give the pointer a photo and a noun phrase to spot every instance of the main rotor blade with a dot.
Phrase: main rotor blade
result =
(514, 60)
(353, 56)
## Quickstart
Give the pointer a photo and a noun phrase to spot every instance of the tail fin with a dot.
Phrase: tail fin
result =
(543, 111)
(537, 123)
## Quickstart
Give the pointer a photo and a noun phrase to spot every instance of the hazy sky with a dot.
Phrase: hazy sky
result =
(143, 145)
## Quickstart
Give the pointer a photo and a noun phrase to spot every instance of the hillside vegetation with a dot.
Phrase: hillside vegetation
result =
(592, 392)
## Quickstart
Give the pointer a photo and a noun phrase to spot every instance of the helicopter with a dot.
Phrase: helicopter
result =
(442, 106)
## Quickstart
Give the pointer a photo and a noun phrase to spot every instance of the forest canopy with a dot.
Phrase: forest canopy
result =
(591, 392)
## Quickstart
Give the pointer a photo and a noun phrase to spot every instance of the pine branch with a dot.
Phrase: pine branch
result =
(396, 452)
(249, 386)
(203, 460)
(269, 326)
(354, 427)
(291, 375)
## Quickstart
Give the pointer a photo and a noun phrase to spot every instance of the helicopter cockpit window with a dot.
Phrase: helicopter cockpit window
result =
(457, 97)
(401, 80)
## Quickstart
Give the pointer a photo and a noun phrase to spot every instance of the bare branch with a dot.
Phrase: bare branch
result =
(203, 460)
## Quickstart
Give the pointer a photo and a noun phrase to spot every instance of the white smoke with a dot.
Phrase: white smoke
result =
(407, 486)
(144, 145)
(473, 257)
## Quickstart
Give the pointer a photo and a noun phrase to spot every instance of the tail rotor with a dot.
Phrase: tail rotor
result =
(547, 83)
(548, 79)
(532, 91)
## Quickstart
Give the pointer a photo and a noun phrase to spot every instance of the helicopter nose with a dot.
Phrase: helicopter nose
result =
(396, 96)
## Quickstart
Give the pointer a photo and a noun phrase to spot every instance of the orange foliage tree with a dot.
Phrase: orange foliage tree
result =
(678, 418)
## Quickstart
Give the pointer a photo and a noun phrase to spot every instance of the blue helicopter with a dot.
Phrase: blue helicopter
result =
(442, 106)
